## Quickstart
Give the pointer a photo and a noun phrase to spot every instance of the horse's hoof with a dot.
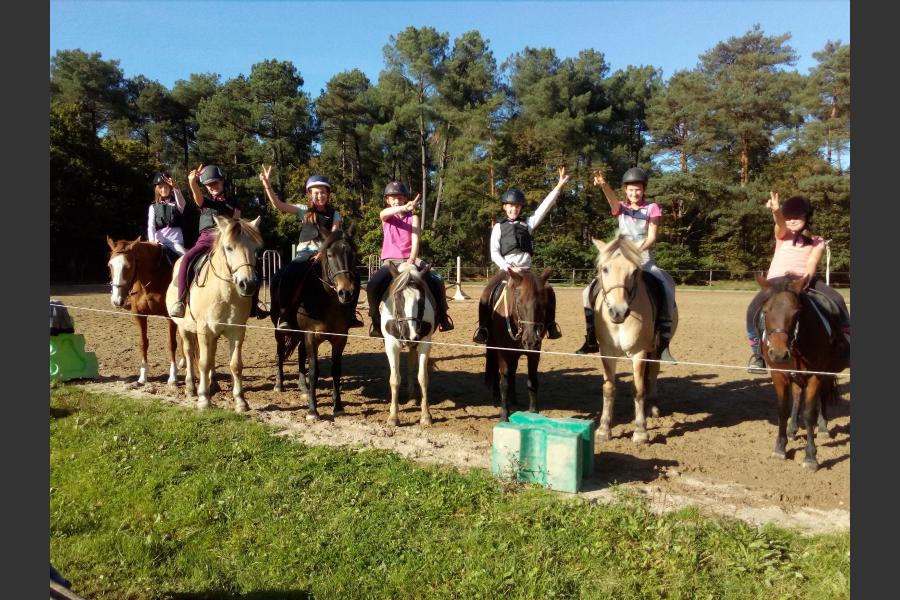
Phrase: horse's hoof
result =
(142, 380)
(202, 404)
(654, 411)
(811, 465)
(603, 435)
(338, 412)
(425, 421)
(241, 405)
(640, 437)
(172, 382)
(779, 454)
(313, 416)
(791, 432)
(304, 397)
(393, 421)
(278, 388)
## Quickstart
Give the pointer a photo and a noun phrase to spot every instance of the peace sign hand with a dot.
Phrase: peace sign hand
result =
(411, 205)
(563, 178)
(170, 182)
(264, 176)
(599, 180)
(193, 175)
(772, 203)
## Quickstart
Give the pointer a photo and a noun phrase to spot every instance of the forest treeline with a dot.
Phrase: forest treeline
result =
(460, 128)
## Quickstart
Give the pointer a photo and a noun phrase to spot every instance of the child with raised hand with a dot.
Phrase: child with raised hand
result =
(319, 218)
(400, 225)
(639, 222)
(511, 246)
(212, 201)
(164, 215)
(797, 253)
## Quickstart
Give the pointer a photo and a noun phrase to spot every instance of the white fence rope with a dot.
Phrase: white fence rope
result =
(475, 346)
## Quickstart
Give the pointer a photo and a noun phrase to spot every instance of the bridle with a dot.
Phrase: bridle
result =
(791, 335)
(517, 336)
(629, 293)
(130, 284)
(417, 323)
(329, 277)
(231, 270)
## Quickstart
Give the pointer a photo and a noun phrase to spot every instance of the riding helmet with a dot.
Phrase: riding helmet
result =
(315, 180)
(635, 175)
(159, 179)
(395, 188)
(211, 173)
(513, 196)
(796, 206)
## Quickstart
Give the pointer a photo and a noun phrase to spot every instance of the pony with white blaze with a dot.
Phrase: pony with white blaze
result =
(219, 302)
(407, 323)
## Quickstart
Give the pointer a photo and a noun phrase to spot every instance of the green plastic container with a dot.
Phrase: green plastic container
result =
(68, 359)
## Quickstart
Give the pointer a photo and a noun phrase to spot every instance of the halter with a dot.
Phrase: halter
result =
(328, 280)
(629, 293)
(517, 336)
(420, 326)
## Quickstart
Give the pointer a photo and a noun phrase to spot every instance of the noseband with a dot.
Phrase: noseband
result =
(629, 293)
(328, 278)
(418, 323)
(124, 286)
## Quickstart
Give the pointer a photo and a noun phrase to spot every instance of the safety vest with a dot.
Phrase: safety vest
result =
(166, 215)
(324, 222)
(515, 236)
(213, 208)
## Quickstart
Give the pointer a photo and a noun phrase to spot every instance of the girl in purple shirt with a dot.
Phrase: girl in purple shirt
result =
(401, 244)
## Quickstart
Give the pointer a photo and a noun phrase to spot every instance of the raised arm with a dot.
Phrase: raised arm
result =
(600, 180)
(780, 226)
(194, 184)
(390, 211)
(274, 200)
(176, 191)
(414, 246)
(549, 201)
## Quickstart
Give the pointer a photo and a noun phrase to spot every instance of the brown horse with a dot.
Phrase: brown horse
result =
(796, 341)
(327, 296)
(625, 316)
(517, 324)
(139, 275)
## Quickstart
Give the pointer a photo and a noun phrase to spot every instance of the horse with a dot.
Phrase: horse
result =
(625, 322)
(139, 273)
(326, 299)
(219, 303)
(518, 328)
(797, 342)
(408, 321)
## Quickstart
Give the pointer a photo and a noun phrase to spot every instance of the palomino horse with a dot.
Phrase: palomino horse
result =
(219, 303)
(326, 298)
(517, 324)
(408, 322)
(625, 322)
(139, 274)
(795, 340)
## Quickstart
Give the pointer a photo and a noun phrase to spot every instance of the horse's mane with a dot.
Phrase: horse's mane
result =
(235, 229)
(407, 277)
(336, 236)
(625, 246)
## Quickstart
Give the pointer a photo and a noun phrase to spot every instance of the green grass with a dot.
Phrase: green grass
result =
(153, 501)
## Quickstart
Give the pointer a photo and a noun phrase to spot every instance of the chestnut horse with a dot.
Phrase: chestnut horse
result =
(625, 321)
(517, 324)
(796, 341)
(139, 275)
(327, 296)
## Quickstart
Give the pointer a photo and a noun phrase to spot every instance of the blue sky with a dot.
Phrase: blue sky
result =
(167, 41)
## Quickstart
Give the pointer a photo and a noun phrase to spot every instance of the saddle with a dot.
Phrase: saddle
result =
(655, 290)
(497, 293)
(168, 256)
(194, 268)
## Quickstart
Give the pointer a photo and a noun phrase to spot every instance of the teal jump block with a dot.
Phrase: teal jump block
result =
(537, 449)
(68, 359)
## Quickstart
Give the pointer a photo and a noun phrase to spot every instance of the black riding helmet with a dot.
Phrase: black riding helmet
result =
(160, 179)
(797, 206)
(395, 188)
(211, 173)
(635, 175)
(513, 196)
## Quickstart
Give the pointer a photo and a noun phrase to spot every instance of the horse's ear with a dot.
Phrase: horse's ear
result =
(798, 285)
(762, 281)
(350, 232)
(394, 270)
(514, 276)
(599, 243)
(425, 270)
(221, 223)
(255, 223)
(545, 276)
(132, 243)
(110, 243)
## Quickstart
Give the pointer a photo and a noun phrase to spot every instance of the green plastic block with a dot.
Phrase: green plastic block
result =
(585, 428)
(550, 452)
(68, 359)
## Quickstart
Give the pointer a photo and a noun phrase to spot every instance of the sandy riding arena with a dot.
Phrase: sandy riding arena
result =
(710, 447)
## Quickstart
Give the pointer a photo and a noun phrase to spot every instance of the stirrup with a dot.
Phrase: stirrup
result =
(481, 335)
(553, 331)
(446, 324)
(590, 346)
(757, 365)
(177, 310)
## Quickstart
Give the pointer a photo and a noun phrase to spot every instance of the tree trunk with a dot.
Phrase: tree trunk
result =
(745, 160)
(443, 166)
(493, 188)
(424, 171)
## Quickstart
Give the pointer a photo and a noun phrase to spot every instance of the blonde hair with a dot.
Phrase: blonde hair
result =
(156, 194)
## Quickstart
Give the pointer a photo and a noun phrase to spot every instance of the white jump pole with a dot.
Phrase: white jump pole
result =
(459, 295)
(827, 262)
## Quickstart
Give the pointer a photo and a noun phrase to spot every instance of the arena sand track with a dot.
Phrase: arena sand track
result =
(710, 447)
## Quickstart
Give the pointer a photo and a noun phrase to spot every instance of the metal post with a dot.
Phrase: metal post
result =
(271, 264)
(459, 295)
(710, 277)
(827, 262)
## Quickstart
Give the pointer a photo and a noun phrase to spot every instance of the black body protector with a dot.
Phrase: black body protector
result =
(212, 208)
(515, 236)
(324, 222)
(166, 215)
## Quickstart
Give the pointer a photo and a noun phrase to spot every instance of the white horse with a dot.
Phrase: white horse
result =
(407, 323)
(219, 303)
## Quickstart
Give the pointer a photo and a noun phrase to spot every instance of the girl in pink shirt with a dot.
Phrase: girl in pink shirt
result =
(400, 225)
(797, 253)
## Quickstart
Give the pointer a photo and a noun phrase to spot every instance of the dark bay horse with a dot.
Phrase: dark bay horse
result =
(795, 339)
(517, 324)
(327, 295)
(139, 275)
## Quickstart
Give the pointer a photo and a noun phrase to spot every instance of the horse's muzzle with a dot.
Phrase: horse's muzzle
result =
(618, 314)
(779, 356)
(345, 296)
(248, 286)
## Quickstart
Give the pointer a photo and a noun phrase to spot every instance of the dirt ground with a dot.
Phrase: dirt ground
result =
(711, 446)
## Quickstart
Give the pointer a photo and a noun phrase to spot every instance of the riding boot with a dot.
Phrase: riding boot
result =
(757, 365)
(287, 318)
(375, 326)
(590, 345)
(354, 321)
(255, 309)
(665, 337)
(445, 323)
(484, 316)
(553, 330)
